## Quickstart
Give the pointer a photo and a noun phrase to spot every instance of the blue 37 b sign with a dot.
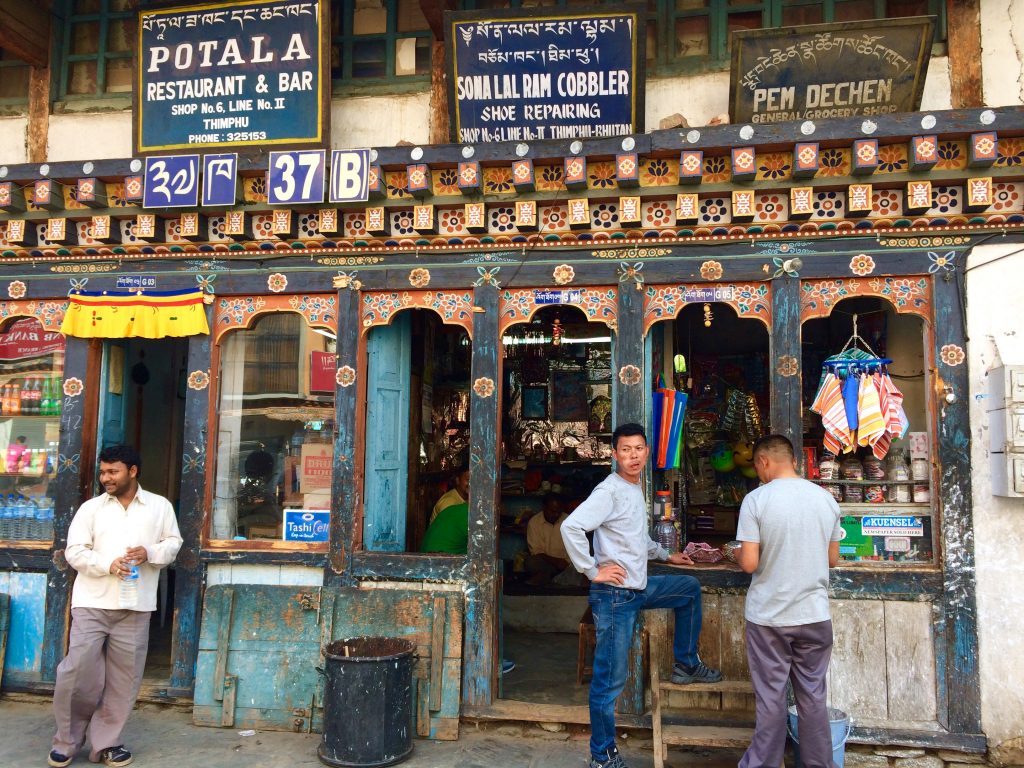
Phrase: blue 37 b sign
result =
(521, 76)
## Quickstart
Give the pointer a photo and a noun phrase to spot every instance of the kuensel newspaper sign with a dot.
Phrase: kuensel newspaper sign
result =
(814, 72)
(519, 76)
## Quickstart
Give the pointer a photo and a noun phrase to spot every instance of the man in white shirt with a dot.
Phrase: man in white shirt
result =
(98, 681)
(547, 556)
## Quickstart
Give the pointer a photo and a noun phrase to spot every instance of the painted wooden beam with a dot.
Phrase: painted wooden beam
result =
(344, 487)
(963, 40)
(784, 360)
(628, 376)
(404, 567)
(38, 131)
(484, 591)
(188, 575)
(949, 365)
(71, 467)
(25, 31)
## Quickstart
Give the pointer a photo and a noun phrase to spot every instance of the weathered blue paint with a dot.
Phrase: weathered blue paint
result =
(484, 590)
(5, 623)
(344, 493)
(783, 345)
(112, 403)
(69, 494)
(387, 435)
(27, 615)
(188, 575)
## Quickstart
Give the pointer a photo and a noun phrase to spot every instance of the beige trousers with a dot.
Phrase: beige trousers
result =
(98, 681)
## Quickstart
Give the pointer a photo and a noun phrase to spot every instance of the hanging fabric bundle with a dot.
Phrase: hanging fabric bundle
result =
(858, 402)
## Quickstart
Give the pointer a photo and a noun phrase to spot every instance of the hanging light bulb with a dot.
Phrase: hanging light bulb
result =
(707, 316)
(556, 332)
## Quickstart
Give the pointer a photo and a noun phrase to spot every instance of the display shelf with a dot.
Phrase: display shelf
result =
(50, 475)
(30, 416)
(819, 481)
(920, 506)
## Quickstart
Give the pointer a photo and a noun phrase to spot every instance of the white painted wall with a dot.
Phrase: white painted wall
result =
(12, 140)
(90, 136)
(995, 283)
(1002, 52)
(380, 121)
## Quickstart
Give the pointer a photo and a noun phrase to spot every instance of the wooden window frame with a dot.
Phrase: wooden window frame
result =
(102, 56)
(347, 39)
(5, 66)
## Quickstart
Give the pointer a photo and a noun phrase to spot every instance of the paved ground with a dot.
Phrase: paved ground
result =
(163, 737)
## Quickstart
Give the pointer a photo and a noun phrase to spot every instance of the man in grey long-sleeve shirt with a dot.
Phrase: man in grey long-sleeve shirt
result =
(616, 512)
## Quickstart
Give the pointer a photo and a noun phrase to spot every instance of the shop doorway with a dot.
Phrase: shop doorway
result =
(142, 403)
(556, 446)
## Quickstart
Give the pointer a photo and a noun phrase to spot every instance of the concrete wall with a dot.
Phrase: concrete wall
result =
(12, 140)
(995, 283)
(91, 136)
(1002, 51)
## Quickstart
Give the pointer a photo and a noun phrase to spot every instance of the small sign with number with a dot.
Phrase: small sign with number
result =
(296, 177)
(220, 178)
(350, 175)
(567, 296)
(171, 181)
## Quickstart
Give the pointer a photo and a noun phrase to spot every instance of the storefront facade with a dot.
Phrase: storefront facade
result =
(358, 354)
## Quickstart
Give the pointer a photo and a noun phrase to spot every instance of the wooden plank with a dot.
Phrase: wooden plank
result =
(223, 635)
(725, 686)
(710, 643)
(910, 661)
(656, 688)
(734, 651)
(963, 43)
(422, 707)
(188, 574)
(38, 131)
(784, 342)
(480, 647)
(25, 32)
(629, 351)
(436, 652)
(857, 672)
(440, 120)
(704, 736)
(5, 623)
(227, 711)
(408, 566)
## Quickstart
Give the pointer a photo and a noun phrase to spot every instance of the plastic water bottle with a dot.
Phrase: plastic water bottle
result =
(128, 589)
(40, 512)
(666, 535)
(19, 529)
(48, 510)
(6, 519)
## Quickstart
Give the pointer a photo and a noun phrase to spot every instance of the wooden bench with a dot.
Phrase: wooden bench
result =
(665, 736)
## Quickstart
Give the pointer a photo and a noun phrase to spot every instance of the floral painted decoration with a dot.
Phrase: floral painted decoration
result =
(17, 289)
(629, 374)
(277, 282)
(345, 376)
(564, 274)
(73, 387)
(945, 262)
(787, 366)
(419, 278)
(632, 272)
(952, 355)
(862, 264)
(198, 380)
(711, 270)
(483, 387)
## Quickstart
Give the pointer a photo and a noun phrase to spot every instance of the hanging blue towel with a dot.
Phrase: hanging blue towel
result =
(851, 393)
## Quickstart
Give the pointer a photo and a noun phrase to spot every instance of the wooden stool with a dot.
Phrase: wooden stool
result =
(587, 643)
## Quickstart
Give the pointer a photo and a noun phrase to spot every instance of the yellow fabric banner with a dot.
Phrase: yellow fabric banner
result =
(144, 314)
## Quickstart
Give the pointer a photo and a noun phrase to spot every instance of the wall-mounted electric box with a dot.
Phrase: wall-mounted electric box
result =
(1006, 429)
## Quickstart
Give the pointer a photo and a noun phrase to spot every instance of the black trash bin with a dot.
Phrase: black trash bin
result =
(367, 702)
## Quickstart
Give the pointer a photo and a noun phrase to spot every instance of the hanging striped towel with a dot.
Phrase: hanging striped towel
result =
(881, 446)
(871, 424)
(833, 415)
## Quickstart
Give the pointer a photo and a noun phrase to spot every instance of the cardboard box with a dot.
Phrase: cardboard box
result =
(918, 445)
(315, 468)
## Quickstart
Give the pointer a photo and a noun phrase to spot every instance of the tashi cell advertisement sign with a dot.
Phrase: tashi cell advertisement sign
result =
(820, 71)
(232, 74)
(529, 76)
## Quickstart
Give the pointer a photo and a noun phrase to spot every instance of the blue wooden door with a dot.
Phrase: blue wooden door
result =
(387, 436)
(113, 387)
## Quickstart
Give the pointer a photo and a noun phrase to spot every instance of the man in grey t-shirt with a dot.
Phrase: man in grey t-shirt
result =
(790, 532)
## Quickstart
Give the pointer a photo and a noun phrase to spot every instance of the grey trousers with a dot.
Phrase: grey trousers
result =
(800, 654)
(98, 681)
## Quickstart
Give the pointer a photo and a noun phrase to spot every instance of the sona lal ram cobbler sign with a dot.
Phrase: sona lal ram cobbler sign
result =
(856, 69)
(231, 74)
(526, 76)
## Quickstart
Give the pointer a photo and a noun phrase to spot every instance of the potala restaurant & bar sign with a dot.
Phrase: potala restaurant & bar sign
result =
(526, 76)
(232, 74)
(820, 71)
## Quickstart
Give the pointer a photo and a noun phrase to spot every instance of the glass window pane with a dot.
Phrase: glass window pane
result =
(82, 78)
(748, 20)
(410, 16)
(119, 36)
(14, 83)
(369, 59)
(86, 6)
(652, 43)
(691, 5)
(692, 37)
(906, 8)
(854, 10)
(370, 19)
(794, 16)
(276, 427)
(121, 5)
(85, 38)
(405, 56)
(119, 75)
(423, 55)
(31, 370)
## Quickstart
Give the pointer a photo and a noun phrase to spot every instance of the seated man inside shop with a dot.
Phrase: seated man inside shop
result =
(547, 559)
(459, 493)
(449, 531)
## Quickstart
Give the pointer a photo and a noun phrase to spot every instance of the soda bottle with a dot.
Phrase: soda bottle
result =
(15, 399)
(45, 405)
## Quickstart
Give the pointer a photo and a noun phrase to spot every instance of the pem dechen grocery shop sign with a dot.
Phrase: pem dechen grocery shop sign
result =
(231, 75)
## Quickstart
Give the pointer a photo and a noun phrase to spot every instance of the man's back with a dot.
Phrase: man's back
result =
(793, 521)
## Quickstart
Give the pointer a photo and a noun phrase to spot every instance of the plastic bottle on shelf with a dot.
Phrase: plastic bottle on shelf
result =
(128, 589)
(58, 396)
(852, 469)
(48, 508)
(666, 535)
(45, 398)
(662, 505)
(19, 526)
(6, 519)
(15, 399)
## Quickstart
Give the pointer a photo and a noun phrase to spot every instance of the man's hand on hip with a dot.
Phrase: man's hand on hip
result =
(610, 573)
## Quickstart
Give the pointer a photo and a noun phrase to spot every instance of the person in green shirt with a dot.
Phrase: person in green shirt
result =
(449, 531)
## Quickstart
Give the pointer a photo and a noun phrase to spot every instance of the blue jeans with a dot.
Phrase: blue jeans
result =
(615, 611)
